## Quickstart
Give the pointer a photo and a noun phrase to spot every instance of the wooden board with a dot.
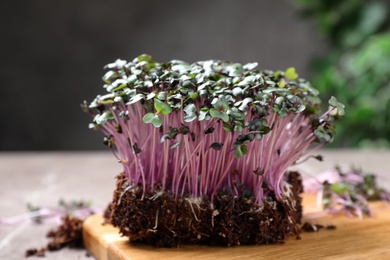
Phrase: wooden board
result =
(353, 239)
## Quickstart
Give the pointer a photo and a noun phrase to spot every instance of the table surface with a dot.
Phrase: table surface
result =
(43, 178)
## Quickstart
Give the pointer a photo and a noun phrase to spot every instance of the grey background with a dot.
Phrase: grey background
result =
(53, 53)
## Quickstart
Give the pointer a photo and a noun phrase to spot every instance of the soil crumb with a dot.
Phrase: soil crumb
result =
(68, 234)
(308, 227)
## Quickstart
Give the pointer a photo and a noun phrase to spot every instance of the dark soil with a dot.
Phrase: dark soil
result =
(308, 227)
(107, 214)
(35, 252)
(164, 221)
(68, 234)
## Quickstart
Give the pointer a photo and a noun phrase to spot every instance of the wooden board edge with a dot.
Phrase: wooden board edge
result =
(98, 237)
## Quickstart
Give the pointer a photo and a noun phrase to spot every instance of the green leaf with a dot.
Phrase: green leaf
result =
(300, 108)
(136, 72)
(282, 83)
(190, 117)
(340, 108)
(217, 114)
(259, 136)
(283, 112)
(234, 70)
(190, 111)
(333, 101)
(340, 188)
(249, 80)
(240, 151)
(157, 121)
(290, 74)
(250, 66)
(129, 92)
(321, 133)
(103, 118)
(220, 103)
(116, 65)
(150, 95)
(279, 100)
(272, 89)
(194, 95)
(164, 137)
(238, 126)
(236, 114)
(131, 79)
(203, 114)
(110, 76)
(162, 107)
(148, 84)
(237, 91)
(135, 99)
(162, 95)
(145, 57)
(174, 145)
(181, 68)
(244, 105)
(148, 118)
(118, 85)
(148, 106)
(106, 102)
(227, 127)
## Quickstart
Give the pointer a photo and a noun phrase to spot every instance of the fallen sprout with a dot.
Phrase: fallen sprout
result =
(349, 192)
(42, 215)
(308, 227)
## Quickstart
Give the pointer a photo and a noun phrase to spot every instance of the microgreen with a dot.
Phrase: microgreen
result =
(291, 74)
(350, 191)
(196, 129)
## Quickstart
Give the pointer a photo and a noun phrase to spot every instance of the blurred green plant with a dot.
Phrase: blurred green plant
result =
(356, 68)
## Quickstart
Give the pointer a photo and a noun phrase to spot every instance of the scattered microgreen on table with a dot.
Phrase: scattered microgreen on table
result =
(350, 191)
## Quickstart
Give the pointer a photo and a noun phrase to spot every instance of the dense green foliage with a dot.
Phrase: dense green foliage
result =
(356, 69)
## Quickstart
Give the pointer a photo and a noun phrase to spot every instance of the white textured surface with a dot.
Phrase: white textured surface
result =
(44, 178)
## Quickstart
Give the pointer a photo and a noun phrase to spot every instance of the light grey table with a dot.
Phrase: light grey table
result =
(43, 178)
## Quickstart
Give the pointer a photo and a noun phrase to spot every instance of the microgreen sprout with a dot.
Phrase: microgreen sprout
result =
(78, 209)
(350, 191)
(197, 129)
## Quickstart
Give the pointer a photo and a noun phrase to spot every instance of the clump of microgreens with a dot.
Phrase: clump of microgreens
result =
(350, 191)
(197, 129)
